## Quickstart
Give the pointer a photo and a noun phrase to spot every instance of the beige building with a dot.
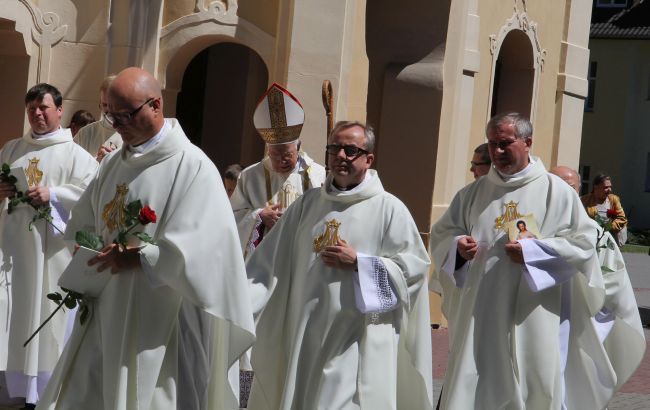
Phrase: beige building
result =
(616, 129)
(427, 74)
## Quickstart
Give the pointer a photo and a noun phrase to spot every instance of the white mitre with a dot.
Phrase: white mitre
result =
(279, 116)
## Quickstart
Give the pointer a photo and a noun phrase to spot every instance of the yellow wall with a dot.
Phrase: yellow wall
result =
(615, 134)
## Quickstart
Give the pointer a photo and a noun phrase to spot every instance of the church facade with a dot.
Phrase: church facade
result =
(427, 75)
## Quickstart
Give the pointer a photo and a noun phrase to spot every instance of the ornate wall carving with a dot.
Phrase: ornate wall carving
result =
(518, 21)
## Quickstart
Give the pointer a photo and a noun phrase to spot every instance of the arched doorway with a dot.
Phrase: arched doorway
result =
(14, 72)
(514, 76)
(221, 86)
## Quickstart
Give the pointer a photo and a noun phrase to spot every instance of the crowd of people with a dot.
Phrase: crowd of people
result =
(283, 286)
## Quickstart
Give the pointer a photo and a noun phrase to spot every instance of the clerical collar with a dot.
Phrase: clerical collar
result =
(334, 189)
(152, 142)
(519, 174)
(47, 134)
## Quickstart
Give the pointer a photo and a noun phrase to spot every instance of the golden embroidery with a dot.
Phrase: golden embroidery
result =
(511, 213)
(276, 108)
(33, 174)
(280, 135)
(330, 237)
(287, 195)
(114, 214)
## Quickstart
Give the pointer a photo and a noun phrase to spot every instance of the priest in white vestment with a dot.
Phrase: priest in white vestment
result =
(618, 322)
(99, 138)
(520, 312)
(56, 171)
(266, 189)
(340, 282)
(174, 316)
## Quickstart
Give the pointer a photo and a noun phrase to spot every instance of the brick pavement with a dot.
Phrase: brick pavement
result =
(634, 395)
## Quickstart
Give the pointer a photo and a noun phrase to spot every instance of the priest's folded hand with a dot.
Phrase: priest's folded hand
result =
(270, 215)
(513, 250)
(7, 190)
(39, 195)
(467, 247)
(116, 258)
(340, 256)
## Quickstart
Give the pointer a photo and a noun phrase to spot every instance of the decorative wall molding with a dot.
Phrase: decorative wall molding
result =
(519, 21)
(218, 7)
(47, 31)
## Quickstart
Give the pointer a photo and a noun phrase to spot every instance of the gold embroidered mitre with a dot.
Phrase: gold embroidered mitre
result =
(330, 237)
(33, 174)
(278, 116)
(114, 214)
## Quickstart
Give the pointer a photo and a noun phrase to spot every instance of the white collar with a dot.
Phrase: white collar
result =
(46, 135)
(152, 142)
(521, 173)
(331, 188)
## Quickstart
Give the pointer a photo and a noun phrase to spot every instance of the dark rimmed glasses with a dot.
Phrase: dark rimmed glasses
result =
(478, 164)
(350, 151)
(125, 117)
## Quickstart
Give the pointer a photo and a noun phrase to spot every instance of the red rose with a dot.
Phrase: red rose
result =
(612, 213)
(147, 215)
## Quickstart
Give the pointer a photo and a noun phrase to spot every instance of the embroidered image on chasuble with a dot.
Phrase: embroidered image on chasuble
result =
(33, 174)
(114, 214)
(330, 236)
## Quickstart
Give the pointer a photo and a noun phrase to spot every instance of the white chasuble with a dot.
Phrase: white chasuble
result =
(97, 134)
(32, 261)
(315, 348)
(521, 336)
(618, 321)
(162, 336)
(259, 186)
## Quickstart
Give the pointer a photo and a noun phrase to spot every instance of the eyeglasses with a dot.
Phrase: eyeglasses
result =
(504, 144)
(125, 117)
(478, 164)
(351, 151)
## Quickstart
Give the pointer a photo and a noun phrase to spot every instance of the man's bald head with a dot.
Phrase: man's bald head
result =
(569, 176)
(137, 93)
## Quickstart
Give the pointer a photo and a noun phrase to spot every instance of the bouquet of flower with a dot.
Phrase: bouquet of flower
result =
(42, 212)
(135, 215)
(606, 223)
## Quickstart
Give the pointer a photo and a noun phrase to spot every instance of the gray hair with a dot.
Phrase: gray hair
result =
(482, 151)
(367, 131)
(522, 126)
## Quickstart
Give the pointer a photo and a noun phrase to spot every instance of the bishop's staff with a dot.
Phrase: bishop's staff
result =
(328, 104)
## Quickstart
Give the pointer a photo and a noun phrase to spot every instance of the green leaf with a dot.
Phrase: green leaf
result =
(133, 209)
(89, 240)
(56, 296)
(12, 179)
(606, 269)
(83, 314)
(6, 168)
(121, 238)
(144, 237)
